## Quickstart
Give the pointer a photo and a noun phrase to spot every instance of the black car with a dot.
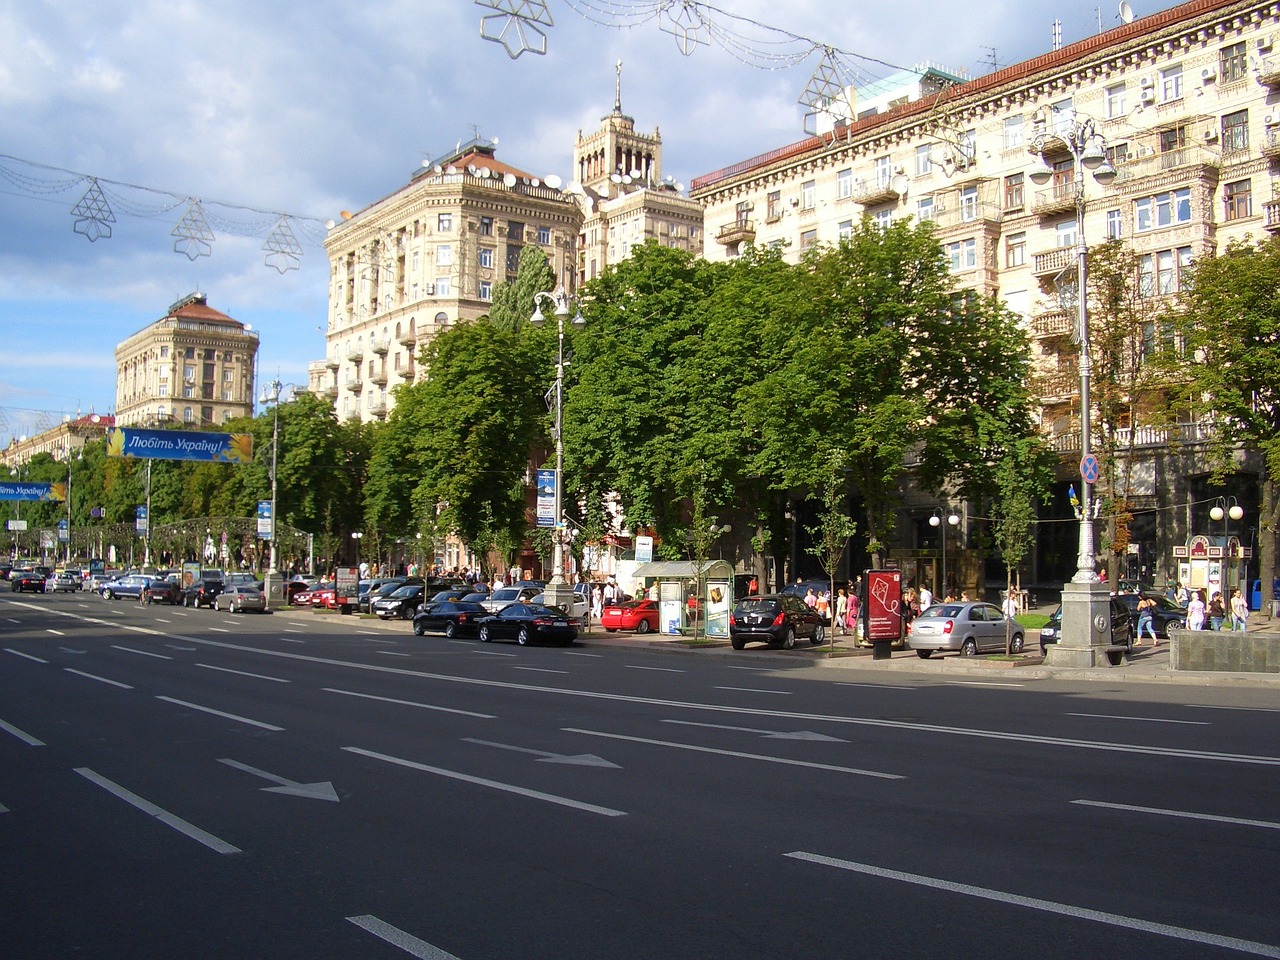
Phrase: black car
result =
(201, 593)
(453, 593)
(452, 616)
(158, 590)
(371, 590)
(1164, 614)
(402, 602)
(27, 581)
(1123, 626)
(526, 622)
(776, 618)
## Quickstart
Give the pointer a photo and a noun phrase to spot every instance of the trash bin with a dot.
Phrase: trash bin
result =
(1275, 609)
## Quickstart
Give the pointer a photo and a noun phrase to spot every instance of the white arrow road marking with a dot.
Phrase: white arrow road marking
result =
(1048, 906)
(322, 790)
(734, 753)
(410, 703)
(580, 760)
(398, 938)
(219, 713)
(3, 808)
(19, 653)
(1267, 824)
(768, 734)
(164, 816)
(494, 784)
(26, 738)
(93, 676)
(144, 653)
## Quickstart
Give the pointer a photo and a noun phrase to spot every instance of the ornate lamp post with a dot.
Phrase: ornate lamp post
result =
(559, 592)
(1225, 508)
(935, 521)
(274, 582)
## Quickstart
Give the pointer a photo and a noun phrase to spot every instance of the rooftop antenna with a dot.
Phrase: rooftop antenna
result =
(990, 59)
(617, 88)
(1057, 35)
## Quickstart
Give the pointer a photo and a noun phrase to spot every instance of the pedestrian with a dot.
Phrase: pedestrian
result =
(926, 597)
(1146, 620)
(1011, 605)
(842, 610)
(823, 605)
(1195, 611)
(597, 601)
(851, 616)
(1217, 611)
(610, 592)
(753, 586)
(1181, 596)
(1239, 611)
(811, 599)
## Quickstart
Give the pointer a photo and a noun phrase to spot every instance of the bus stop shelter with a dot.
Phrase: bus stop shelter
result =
(679, 601)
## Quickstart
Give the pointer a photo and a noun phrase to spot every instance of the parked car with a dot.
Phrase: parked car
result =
(1135, 586)
(1164, 614)
(65, 582)
(452, 593)
(201, 593)
(777, 619)
(314, 596)
(1122, 625)
(129, 586)
(376, 591)
(525, 623)
(819, 587)
(638, 616)
(294, 587)
(580, 614)
(969, 628)
(452, 617)
(401, 604)
(158, 590)
(1255, 593)
(504, 596)
(28, 581)
(239, 597)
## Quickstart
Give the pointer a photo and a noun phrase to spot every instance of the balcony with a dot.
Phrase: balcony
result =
(1141, 437)
(329, 391)
(1270, 147)
(332, 363)
(380, 378)
(1056, 386)
(355, 354)
(1181, 165)
(1054, 262)
(407, 373)
(876, 192)
(742, 230)
(379, 346)
(1055, 323)
(407, 339)
(1271, 215)
(1269, 72)
(354, 384)
(377, 408)
(1056, 199)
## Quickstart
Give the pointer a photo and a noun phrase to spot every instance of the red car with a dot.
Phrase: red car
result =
(321, 596)
(637, 616)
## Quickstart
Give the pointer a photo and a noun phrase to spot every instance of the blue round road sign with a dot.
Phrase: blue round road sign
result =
(1089, 468)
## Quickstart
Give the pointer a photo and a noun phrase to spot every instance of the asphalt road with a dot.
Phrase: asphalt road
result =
(182, 783)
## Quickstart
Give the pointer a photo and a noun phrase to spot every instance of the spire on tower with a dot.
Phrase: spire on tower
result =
(617, 88)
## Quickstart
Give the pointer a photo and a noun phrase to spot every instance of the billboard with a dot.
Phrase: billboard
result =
(882, 613)
(546, 498)
(180, 445)
(265, 520)
(32, 491)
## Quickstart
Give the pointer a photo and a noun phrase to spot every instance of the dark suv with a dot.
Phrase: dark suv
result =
(1123, 627)
(776, 619)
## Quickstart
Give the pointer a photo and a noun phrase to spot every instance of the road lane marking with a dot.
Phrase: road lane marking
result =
(242, 673)
(398, 938)
(144, 653)
(542, 670)
(579, 653)
(546, 756)
(56, 633)
(1108, 716)
(769, 734)
(632, 666)
(1185, 814)
(11, 620)
(982, 683)
(410, 703)
(393, 653)
(781, 693)
(28, 656)
(164, 816)
(1215, 706)
(493, 784)
(877, 686)
(163, 620)
(26, 738)
(219, 713)
(94, 676)
(1047, 906)
(219, 629)
(743, 756)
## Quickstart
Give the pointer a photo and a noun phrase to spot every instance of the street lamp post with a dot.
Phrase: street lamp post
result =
(1225, 508)
(559, 593)
(1085, 605)
(953, 520)
(274, 583)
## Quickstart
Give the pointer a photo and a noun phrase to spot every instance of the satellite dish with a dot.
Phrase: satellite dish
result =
(603, 189)
(535, 182)
(345, 214)
(329, 224)
(679, 187)
(626, 178)
(471, 169)
(574, 187)
(509, 179)
(426, 163)
(248, 326)
(1126, 12)
(95, 418)
(587, 203)
(451, 170)
(635, 174)
(899, 183)
(552, 181)
(437, 169)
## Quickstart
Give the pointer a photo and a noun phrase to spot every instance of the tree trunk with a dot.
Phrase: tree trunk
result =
(1268, 521)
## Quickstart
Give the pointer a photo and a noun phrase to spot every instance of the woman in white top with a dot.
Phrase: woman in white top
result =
(1195, 611)
(1239, 611)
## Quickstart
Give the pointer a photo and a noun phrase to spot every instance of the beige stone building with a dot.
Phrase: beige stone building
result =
(1188, 101)
(194, 367)
(60, 442)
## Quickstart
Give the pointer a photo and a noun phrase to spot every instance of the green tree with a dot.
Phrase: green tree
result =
(835, 527)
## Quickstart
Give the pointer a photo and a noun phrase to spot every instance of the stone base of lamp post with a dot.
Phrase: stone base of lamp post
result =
(559, 593)
(273, 588)
(1086, 627)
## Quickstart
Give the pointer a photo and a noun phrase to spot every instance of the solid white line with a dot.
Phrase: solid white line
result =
(146, 806)
(1185, 814)
(242, 673)
(1047, 906)
(781, 693)
(541, 670)
(1214, 706)
(26, 738)
(56, 633)
(219, 713)
(393, 653)
(877, 686)
(19, 653)
(735, 753)
(145, 653)
(579, 653)
(495, 653)
(410, 703)
(398, 938)
(983, 683)
(91, 676)
(219, 629)
(480, 781)
(631, 666)
(11, 620)
(1108, 716)
(163, 620)
(291, 639)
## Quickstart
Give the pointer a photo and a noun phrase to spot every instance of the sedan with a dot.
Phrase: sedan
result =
(201, 593)
(453, 617)
(239, 597)
(1123, 625)
(127, 586)
(970, 628)
(65, 583)
(315, 596)
(581, 612)
(525, 622)
(157, 590)
(637, 616)
(503, 596)
(402, 603)
(27, 581)
(775, 618)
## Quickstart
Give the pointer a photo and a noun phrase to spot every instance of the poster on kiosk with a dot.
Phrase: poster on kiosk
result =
(882, 609)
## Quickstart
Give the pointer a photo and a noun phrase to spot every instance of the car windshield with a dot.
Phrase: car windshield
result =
(508, 594)
(475, 597)
(943, 610)
(402, 592)
(756, 605)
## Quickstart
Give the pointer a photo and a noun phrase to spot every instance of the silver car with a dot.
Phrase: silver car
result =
(239, 597)
(970, 628)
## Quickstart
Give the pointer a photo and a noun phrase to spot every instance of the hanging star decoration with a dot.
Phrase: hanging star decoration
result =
(516, 25)
(94, 212)
(825, 93)
(682, 20)
(193, 233)
(283, 250)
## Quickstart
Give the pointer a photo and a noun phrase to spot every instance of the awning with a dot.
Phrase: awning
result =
(680, 569)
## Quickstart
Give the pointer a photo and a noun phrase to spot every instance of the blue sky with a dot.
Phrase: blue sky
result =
(311, 109)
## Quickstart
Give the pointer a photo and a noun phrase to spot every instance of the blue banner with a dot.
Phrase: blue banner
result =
(265, 520)
(33, 491)
(180, 445)
(546, 498)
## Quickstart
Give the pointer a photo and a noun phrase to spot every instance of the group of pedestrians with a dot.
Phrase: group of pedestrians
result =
(1200, 615)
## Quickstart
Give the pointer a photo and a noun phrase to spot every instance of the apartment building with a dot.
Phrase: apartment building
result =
(1188, 102)
(60, 442)
(194, 367)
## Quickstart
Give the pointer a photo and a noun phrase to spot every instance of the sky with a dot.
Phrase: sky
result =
(262, 109)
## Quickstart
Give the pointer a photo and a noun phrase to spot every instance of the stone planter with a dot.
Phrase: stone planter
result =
(1224, 651)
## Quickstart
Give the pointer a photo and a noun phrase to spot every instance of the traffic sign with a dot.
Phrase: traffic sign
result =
(1089, 468)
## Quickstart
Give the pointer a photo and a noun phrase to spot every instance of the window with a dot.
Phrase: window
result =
(189, 353)
(883, 171)
(513, 258)
(1116, 101)
(1014, 192)
(228, 376)
(188, 416)
(1161, 273)
(924, 208)
(969, 146)
(1237, 200)
(968, 204)
(415, 261)
(486, 290)
(1235, 131)
(742, 213)
(924, 160)
(1064, 234)
(807, 201)
(444, 287)
(444, 255)
(808, 238)
(1171, 83)
(226, 395)
(1233, 62)
(962, 255)
(544, 236)
(1115, 225)
(444, 222)
(775, 205)
(883, 218)
(1064, 115)
(163, 388)
(484, 257)
(844, 184)
(486, 226)
(1163, 210)
(164, 352)
(515, 231)
(1013, 136)
(1015, 250)
(846, 229)
(188, 373)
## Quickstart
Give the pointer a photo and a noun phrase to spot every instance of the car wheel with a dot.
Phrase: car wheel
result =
(1015, 644)
(969, 648)
(819, 634)
(738, 643)
(484, 633)
(610, 629)
(450, 629)
(522, 637)
(108, 595)
(420, 627)
(642, 626)
(789, 641)
(406, 613)
(924, 654)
